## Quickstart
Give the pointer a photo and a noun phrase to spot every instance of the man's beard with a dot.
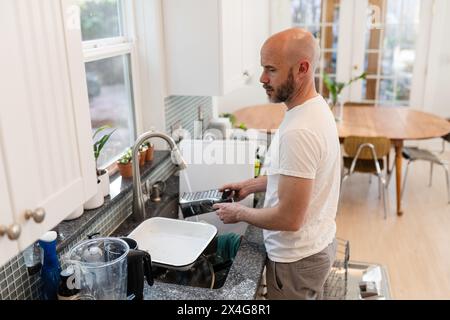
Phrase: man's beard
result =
(284, 92)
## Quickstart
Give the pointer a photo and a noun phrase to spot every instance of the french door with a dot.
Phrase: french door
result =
(384, 38)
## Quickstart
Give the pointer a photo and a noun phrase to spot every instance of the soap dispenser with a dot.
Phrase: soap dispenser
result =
(51, 269)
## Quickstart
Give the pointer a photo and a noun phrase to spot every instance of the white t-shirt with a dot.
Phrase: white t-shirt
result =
(305, 146)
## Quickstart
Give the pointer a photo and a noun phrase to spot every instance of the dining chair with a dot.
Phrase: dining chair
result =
(365, 155)
(413, 154)
(368, 104)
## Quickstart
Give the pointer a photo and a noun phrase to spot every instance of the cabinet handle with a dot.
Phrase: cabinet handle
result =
(246, 73)
(38, 215)
(13, 232)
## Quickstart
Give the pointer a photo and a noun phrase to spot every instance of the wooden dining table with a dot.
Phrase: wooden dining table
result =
(398, 124)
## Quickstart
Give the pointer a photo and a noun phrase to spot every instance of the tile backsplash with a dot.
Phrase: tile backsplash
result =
(185, 111)
(15, 283)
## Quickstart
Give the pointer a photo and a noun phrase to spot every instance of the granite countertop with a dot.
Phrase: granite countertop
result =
(241, 284)
(243, 278)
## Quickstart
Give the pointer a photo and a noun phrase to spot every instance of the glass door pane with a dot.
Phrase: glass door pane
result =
(390, 51)
(321, 18)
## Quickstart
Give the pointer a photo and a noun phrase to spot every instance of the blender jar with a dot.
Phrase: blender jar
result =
(101, 268)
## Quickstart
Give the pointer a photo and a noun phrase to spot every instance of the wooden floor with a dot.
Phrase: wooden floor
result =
(415, 248)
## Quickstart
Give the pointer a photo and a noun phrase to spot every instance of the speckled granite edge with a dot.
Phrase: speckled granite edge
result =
(68, 231)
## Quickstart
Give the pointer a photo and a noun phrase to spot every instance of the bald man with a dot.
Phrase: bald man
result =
(302, 174)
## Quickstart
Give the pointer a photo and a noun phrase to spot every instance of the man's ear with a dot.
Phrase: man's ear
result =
(304, 67)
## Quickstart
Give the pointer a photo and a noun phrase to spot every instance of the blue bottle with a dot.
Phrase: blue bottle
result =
(51, 269)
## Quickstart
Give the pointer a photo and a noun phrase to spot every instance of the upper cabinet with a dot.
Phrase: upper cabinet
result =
(47, 167)
(212, 46)
(9, 231)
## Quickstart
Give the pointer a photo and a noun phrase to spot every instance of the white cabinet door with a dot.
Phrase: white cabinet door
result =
(232, 39)
(8, 248)
(47, 152)
(209, 44)
(255, 30)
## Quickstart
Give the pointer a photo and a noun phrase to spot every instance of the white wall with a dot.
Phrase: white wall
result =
(152, 63)
(437, 88)
(279, 18)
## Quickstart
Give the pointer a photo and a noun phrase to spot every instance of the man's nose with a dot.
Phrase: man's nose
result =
(264, 79)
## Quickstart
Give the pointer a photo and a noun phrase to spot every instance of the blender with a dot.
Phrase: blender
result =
(100, 268)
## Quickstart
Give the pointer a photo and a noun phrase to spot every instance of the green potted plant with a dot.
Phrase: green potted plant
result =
(142, 154)
(125, 164)
(335, 88)
(150, 151)
(102, 174)
(230, 117)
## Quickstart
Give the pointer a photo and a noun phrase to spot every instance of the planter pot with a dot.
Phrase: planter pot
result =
(126, 170)
(104, 182)
(142, 155)
(149, 154)
(75, 214)
(96, 201)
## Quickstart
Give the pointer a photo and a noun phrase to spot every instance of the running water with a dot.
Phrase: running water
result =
(188, 184)
(186, 178)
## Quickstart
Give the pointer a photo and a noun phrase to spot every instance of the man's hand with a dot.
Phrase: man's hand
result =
(247, 187)
(230, 212)
(241, 190)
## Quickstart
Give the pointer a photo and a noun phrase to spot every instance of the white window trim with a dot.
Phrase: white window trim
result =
(105, 52)
(94, 50)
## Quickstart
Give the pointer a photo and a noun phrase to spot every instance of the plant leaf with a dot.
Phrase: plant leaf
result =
(100, 130)
(98, 146)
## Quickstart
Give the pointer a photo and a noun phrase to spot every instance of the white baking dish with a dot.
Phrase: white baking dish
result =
(171, 243)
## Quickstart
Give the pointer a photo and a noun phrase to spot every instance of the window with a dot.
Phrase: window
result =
(321, 18)
(378, 37)
(108, 56)
(390, 52)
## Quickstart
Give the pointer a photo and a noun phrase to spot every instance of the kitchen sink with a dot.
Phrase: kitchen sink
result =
(209, 271)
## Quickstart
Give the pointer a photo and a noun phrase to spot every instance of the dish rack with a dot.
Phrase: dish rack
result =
(335, 287)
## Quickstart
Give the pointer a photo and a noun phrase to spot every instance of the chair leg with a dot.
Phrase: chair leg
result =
(344, 177)
(382, 183)
(448, 184)
(431, 173)
(387, 164)
(379, 189)
(404, 179)
(370, 179)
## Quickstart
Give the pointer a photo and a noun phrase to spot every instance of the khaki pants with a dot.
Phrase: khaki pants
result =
(300, 280)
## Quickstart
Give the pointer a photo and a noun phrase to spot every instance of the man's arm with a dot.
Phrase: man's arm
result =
(289, 215)
(247, 187)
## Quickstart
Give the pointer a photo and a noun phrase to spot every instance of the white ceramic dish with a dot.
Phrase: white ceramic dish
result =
(171, 243)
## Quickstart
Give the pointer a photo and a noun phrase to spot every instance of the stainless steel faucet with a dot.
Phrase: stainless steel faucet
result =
(138, 213)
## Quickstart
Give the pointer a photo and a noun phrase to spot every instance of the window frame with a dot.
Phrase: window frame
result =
(323, 25)
(121, 46)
